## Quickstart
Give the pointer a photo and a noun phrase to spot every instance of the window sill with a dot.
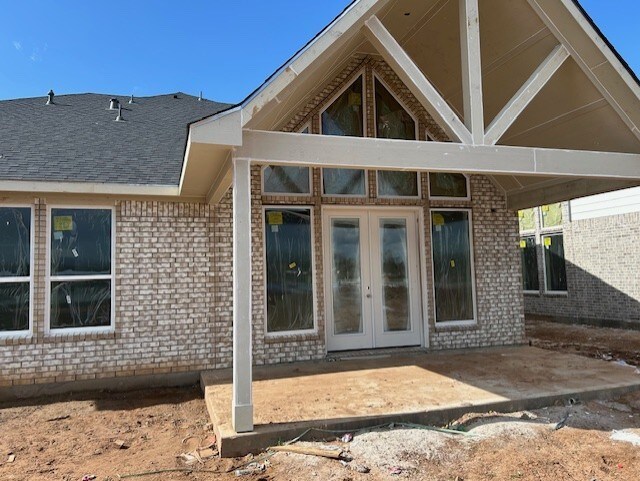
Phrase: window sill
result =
(532, 293)
(16, 338)
(74, 335)
(556, 293)
(456, 325)
(274, 338)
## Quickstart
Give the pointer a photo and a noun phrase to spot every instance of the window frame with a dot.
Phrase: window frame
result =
(360, 75)
(532, 235)
(49, 278)
(345, 196)
(286, 194)
(402, 104)
(459, 199)
(546, 233)
(300, 332)
(460, 322)
(306, 125)
(25, 333)
(412, 197)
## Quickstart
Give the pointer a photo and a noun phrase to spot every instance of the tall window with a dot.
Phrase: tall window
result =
(392, 120)
(289, 260)
(15, 269)
(452, 265)
(529, 264)
(81, 268)
(554, 263)
(345, 116)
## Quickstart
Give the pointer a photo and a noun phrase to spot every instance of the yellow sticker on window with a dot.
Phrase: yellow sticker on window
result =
(293, 265)
(62, 223)
(547, 241)
(274, 218)
(523, 244)
(545, 208)
(438, 219)
(452, 262)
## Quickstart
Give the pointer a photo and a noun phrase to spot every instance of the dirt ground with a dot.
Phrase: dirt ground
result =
(599, 343)
(68, 437)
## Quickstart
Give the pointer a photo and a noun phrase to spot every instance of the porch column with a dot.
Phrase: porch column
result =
(242, 403)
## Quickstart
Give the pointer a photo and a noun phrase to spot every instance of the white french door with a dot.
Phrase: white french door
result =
(372, 278)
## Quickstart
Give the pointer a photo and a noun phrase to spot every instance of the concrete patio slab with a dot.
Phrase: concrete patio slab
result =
(425, 388)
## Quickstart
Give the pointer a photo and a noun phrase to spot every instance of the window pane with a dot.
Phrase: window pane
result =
(552, 215)
(289, 269)
(80, 241)
(392, 120)
(14, 306)
(529, 264)
(452, 265)
(527, 219)
(15, 241)
(344, 116)
(286, 180)
(397, 184)
(80, 304)
(346, 276)
(444, 184)
(343, 182)
(554, 264)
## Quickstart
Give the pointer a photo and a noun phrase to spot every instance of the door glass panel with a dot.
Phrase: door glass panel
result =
(346, 279)
(345, 115)
(395, 275)
(452, 265)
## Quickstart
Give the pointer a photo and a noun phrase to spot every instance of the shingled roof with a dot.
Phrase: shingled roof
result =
(78, 140)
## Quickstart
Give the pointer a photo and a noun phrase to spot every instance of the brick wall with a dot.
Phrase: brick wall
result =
(602, 260)
(174, 275)
(164, 322)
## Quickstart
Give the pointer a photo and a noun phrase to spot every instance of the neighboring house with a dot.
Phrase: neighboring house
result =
(364, 197)
(581, 260)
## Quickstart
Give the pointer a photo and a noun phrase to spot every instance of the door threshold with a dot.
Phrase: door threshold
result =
(373, 353)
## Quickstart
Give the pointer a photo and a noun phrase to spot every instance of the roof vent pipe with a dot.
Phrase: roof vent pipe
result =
(50, 97)
(200, 98)
(131, 99)
(119, 117)
(114, 104)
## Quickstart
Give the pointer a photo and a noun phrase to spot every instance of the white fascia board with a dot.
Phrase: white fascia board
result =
(355, 152)
(220, 129)
(88, 188)
(332, 38)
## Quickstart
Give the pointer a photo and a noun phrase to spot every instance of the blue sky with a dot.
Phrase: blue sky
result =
(225, 49)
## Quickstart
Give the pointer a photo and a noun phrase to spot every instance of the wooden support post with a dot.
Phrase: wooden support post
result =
(242, 403)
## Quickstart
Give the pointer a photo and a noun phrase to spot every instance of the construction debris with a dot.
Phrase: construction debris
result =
(58, 418)
(333, 452)
(120, 444)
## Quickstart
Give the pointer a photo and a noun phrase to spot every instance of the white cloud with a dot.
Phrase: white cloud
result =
(17, 45)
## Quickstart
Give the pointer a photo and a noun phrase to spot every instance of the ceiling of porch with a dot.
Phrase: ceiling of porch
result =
(568, 113)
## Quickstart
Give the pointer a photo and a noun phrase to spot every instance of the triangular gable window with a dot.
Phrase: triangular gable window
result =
(392, 119)
(345, 115)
